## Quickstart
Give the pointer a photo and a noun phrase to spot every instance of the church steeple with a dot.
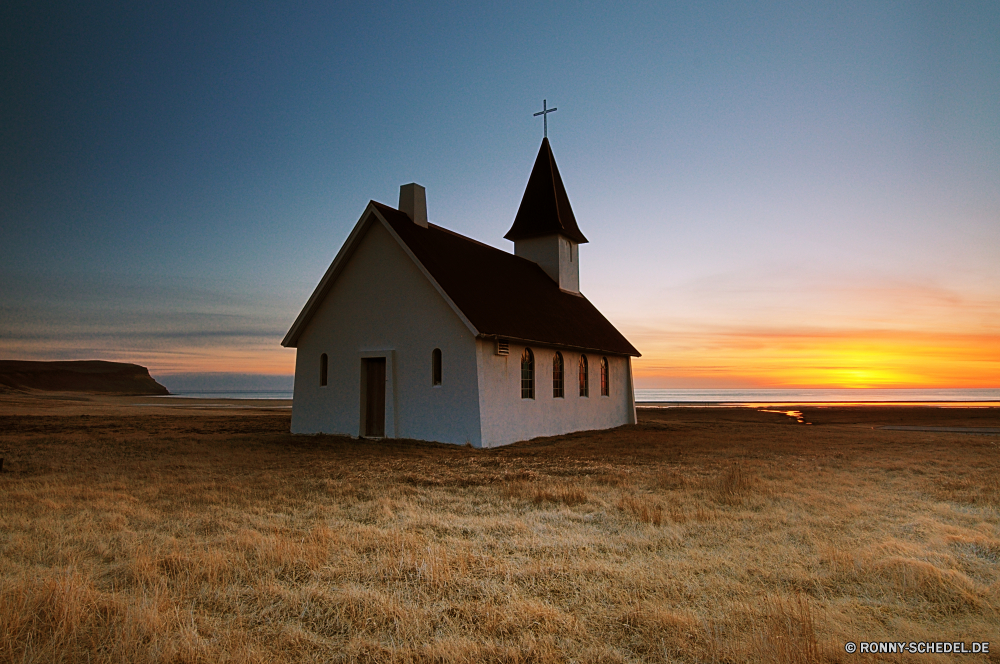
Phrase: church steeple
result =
(545, 206)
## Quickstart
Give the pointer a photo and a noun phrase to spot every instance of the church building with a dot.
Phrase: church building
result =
(418, 332)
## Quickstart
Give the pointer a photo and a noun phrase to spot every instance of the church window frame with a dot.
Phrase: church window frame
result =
(584, 377)
(324, 370)
(527, 374)
(605, 378)
(558, 376)
(437, 374)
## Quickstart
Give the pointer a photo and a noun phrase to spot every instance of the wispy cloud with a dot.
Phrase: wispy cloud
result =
(169, 327)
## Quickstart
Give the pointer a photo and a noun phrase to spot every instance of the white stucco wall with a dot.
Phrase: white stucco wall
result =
(381, 305)
(507, 418)
(557, 255)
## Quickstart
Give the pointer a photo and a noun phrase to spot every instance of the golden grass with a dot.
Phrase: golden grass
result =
(699, 535)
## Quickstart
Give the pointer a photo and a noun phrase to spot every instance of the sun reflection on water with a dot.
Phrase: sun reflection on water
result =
(797, 414)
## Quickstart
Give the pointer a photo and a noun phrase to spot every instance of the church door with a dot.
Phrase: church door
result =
(375, 396)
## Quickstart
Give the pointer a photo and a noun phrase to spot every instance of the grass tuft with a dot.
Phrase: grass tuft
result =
(788, 633)
(560, 493)
(738, 485)
(644, 509)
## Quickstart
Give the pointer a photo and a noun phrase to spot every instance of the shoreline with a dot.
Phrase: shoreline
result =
(816, 404)
(966, 416)
(28, 403)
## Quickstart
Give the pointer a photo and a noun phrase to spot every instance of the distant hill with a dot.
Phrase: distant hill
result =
(80, 376)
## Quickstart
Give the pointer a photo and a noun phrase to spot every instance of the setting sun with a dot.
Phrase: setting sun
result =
(856, 360)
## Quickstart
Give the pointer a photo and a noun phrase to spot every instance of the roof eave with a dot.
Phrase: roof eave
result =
(576, 237)
(552, 344)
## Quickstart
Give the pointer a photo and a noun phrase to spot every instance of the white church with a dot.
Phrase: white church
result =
(418, 332)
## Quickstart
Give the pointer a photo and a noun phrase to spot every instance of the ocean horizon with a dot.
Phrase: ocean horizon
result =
(754, 396)
(765, 396)
(230, 394)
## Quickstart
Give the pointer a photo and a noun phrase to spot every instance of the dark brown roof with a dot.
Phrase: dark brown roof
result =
(505, 295)
(545, 208)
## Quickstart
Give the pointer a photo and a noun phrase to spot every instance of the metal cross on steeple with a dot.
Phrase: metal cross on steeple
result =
(545, 116)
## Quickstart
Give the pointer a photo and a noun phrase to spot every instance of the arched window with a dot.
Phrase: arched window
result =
(324, 365)
(527, 374)
(605, 383)
(584, 378)
(436, 367)
(557, 376)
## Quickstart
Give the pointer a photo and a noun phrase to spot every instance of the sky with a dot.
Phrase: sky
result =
(776, 194)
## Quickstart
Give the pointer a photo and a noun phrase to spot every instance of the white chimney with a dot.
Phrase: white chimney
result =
(413, 201)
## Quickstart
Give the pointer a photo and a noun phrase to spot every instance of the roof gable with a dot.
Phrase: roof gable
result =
(370, 216)
(545, 208)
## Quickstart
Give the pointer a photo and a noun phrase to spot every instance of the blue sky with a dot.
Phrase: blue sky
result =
(176, 178)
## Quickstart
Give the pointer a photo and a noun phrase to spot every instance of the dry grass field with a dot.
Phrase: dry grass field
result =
(699, 535)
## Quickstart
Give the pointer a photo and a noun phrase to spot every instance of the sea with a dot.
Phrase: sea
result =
(841, 396)
(732, 397)
(230, 394)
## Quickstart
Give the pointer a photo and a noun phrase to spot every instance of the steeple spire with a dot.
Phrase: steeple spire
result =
(545, 208)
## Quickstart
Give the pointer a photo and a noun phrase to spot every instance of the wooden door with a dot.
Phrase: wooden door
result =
(375, 396)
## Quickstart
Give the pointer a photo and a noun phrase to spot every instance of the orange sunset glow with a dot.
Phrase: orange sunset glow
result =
(851, 360)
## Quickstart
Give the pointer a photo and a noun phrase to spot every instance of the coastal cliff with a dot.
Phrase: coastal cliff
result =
(78, 376)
